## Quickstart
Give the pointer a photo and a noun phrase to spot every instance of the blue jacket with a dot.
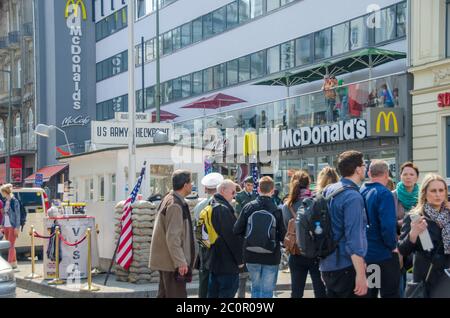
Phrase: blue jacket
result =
(349, 222)
(14, 213)
(382, 232)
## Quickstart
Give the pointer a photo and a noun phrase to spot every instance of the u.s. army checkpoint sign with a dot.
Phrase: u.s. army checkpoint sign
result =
(116, 133)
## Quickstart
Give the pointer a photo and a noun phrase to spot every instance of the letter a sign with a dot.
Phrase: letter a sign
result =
(387, 121)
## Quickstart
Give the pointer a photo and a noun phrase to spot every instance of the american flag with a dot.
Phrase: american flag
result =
(255, 177)
(125, 251)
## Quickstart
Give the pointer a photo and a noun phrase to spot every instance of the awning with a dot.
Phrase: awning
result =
(47, 172)
(362, 59)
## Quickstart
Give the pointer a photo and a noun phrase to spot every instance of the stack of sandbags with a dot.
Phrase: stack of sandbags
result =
(143, 218)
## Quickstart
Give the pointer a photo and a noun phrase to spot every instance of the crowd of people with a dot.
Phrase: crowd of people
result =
(374, 229)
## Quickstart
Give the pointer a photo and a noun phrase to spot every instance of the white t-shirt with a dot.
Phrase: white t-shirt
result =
(6, 209)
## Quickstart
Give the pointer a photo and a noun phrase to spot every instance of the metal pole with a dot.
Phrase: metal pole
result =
(89, 286)
(131, 97)
(9, 128)
(33, 274)
(57, 280)
(158, 69)
(65, 135)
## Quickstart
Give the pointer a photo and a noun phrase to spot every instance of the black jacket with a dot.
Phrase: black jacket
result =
(226, 253)
(422, 259)
(261, 203)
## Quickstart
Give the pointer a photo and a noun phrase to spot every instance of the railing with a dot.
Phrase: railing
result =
(311, 109)
(13, 37)
(27, 29)
(3, 42)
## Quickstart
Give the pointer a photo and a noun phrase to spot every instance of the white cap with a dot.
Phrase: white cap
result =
(212, 180)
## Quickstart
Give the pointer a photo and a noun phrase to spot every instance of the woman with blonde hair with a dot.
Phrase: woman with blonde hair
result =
(11, 221)
(299, 265)
(432, 214)
(327, 176)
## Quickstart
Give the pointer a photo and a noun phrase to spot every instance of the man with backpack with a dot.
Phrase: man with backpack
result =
(210, 182)
(261, 222)
(225, 260)
(344, 270)
(382, 233)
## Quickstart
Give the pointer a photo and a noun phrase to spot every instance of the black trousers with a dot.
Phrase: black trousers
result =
(340, 283)
(389, 280)
(299, 267)
(203, 283)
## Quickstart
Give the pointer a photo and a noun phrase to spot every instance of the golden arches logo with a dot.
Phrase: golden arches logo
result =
(77, 4)
(387, 121)
(250, 143)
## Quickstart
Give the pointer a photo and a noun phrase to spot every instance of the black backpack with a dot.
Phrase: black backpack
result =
(313, 226)
(260, 236)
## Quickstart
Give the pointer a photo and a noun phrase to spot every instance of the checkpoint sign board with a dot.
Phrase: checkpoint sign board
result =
(116, 133)
(39, 180)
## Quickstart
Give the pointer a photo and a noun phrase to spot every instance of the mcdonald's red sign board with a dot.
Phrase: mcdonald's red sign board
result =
(444, 100)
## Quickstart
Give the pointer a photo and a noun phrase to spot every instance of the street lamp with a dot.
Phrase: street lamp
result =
(9, 130)
(44, 131)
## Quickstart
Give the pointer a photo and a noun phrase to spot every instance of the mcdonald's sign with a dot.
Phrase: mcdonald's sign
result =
(250, 143)
(385, 122)
(76, 4)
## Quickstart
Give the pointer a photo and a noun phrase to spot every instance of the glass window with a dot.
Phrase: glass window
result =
(101, 184)
(16, 131)
(91, 189)
(140, 8)
(273, 60)
(86, 190)
(113, 188)
(176, 88)
(386, 31)
(244, 10)
(150, 97)
(186, 86)
(244, 68)
(219, 76)
(341, 38)
(219, 18)
(284, 2)
(160, 179)
(358, 33)
(287, 55)
(401, 19)
(448, 31)
(30, 128)
(167, 42)
(208, 79)
(149, 50)
(166, 91)
(303, 50)
(176, 38)
(207, 25)
(2, 135)
(257, 64)
(272, 5)
(256, 8)
(186, 34)
(197, 30)
(232, 72)
(232, 14)
(197, 83)
(322, 44)
(111, 24)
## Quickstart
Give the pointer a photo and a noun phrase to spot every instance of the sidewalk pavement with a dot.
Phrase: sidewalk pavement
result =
(114, 289)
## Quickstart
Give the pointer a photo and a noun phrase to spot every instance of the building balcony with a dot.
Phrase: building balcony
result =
(27, 29)
(3, 43)
(14, 39)
(23, 144)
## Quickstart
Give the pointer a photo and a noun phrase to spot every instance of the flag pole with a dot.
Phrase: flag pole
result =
(118, 240)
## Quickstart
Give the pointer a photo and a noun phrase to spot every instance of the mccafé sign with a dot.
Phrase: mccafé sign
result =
(444, 100)
(387, 121)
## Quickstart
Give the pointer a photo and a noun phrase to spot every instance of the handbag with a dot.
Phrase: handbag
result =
(420, 290)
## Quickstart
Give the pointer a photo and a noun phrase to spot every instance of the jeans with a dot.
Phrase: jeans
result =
(223, 285)
(203, 283)
(11, 237)
(263, 278)
(299, 267)
(331, 103)
(344, 107)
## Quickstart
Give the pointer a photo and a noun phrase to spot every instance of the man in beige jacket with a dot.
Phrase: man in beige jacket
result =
(172, 249)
